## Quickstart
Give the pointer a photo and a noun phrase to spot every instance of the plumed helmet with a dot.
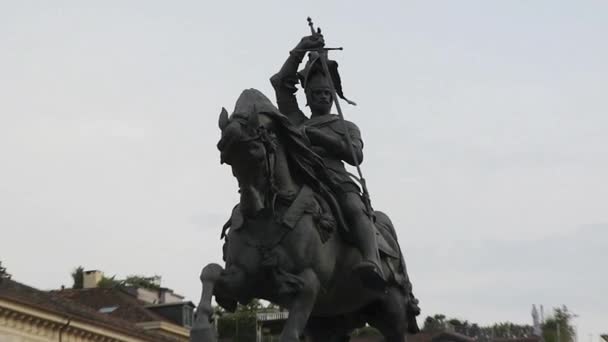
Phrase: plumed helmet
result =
(313, 75)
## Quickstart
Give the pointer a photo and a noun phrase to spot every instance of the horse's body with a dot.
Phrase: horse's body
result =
(283, 247)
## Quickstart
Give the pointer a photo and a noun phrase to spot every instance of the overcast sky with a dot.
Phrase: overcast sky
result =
(485, 127)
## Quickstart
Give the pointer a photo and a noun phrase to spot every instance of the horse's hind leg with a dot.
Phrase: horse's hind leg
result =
(202, 329)
(301, 307)
(390, 316)
(327, 329)
(327, 337)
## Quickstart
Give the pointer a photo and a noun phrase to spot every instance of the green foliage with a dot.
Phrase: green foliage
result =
(238, 326)
(142, 281)
(434, 323)
(366, 331)
(507, 330)
(440, 323)
(253, 306)
(272, 307)
(3, 273)
(558, 327)
(77, 277)
(110, 282)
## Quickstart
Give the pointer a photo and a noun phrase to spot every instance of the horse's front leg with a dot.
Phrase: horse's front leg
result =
(300, 307)
(202, 328)
(225, 285)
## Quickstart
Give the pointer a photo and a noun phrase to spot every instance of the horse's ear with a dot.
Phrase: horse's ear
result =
(223, 118)
(254, 120)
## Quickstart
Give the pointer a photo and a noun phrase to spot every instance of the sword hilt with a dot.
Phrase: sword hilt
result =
(312, 27)
(318, 49)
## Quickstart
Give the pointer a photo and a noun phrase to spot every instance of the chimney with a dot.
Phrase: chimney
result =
(91, 278)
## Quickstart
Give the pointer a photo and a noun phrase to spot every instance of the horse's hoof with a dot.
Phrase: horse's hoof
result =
(370, 276)
(211, 272)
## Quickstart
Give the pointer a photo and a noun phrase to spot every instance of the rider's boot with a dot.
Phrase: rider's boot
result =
(369, 270)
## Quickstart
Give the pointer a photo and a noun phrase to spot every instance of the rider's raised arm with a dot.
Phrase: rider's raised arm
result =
(284, 82)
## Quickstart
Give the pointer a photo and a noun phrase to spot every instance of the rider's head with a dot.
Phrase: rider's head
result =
(317, 83)
(318, 94)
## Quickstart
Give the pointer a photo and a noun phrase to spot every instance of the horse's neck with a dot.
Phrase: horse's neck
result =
(283, 179)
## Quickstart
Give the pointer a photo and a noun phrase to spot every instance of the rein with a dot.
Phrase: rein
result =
(269, 142)
(273, 197)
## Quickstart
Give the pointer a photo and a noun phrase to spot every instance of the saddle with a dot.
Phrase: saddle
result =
(308, 202)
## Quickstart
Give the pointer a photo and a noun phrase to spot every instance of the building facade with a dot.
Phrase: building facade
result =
(30, 315)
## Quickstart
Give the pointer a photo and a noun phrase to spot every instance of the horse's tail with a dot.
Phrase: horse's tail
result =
(383, 222)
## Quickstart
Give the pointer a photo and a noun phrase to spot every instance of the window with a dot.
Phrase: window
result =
(108, 309)
(187, 316)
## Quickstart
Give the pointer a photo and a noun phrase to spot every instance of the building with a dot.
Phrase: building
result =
(150, 295)
(31, 315)
(92, 313)
(156, 309)
(120, 304)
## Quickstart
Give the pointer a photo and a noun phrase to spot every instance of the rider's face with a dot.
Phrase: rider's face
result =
(320, 100)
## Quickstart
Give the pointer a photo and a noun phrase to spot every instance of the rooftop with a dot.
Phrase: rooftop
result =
(59, 304)
(126, 307)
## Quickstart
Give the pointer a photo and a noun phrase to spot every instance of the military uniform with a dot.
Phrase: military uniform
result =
(331, 124)
(284, 84)
(327, 139)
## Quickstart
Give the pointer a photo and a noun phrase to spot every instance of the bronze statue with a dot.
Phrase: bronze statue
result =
(332, 138)
(304, 235)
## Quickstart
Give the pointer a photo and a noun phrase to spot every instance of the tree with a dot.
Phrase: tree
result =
(240, 326)
(558, 327)
(439, 323)
(464, 327)
(142, 281)
(108, 282)
(3, 273)
(272, 307)
(253, 306)
(434, 323)
(77, 277)
(365, 332)
(133, 280)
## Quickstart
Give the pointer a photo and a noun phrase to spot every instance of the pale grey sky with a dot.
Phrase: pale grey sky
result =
(485, 123)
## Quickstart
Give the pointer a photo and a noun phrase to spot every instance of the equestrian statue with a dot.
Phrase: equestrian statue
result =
(304, 234)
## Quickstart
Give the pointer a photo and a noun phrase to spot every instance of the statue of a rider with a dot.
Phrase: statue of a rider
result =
(326, 133)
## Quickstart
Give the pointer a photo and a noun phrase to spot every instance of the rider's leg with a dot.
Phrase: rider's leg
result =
(362, 230)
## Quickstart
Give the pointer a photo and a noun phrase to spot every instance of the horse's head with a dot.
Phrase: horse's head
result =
(248, 145)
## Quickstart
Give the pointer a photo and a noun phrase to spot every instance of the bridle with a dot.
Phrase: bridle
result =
(269, 141)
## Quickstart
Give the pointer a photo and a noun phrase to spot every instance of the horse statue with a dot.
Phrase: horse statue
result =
(282, 243)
